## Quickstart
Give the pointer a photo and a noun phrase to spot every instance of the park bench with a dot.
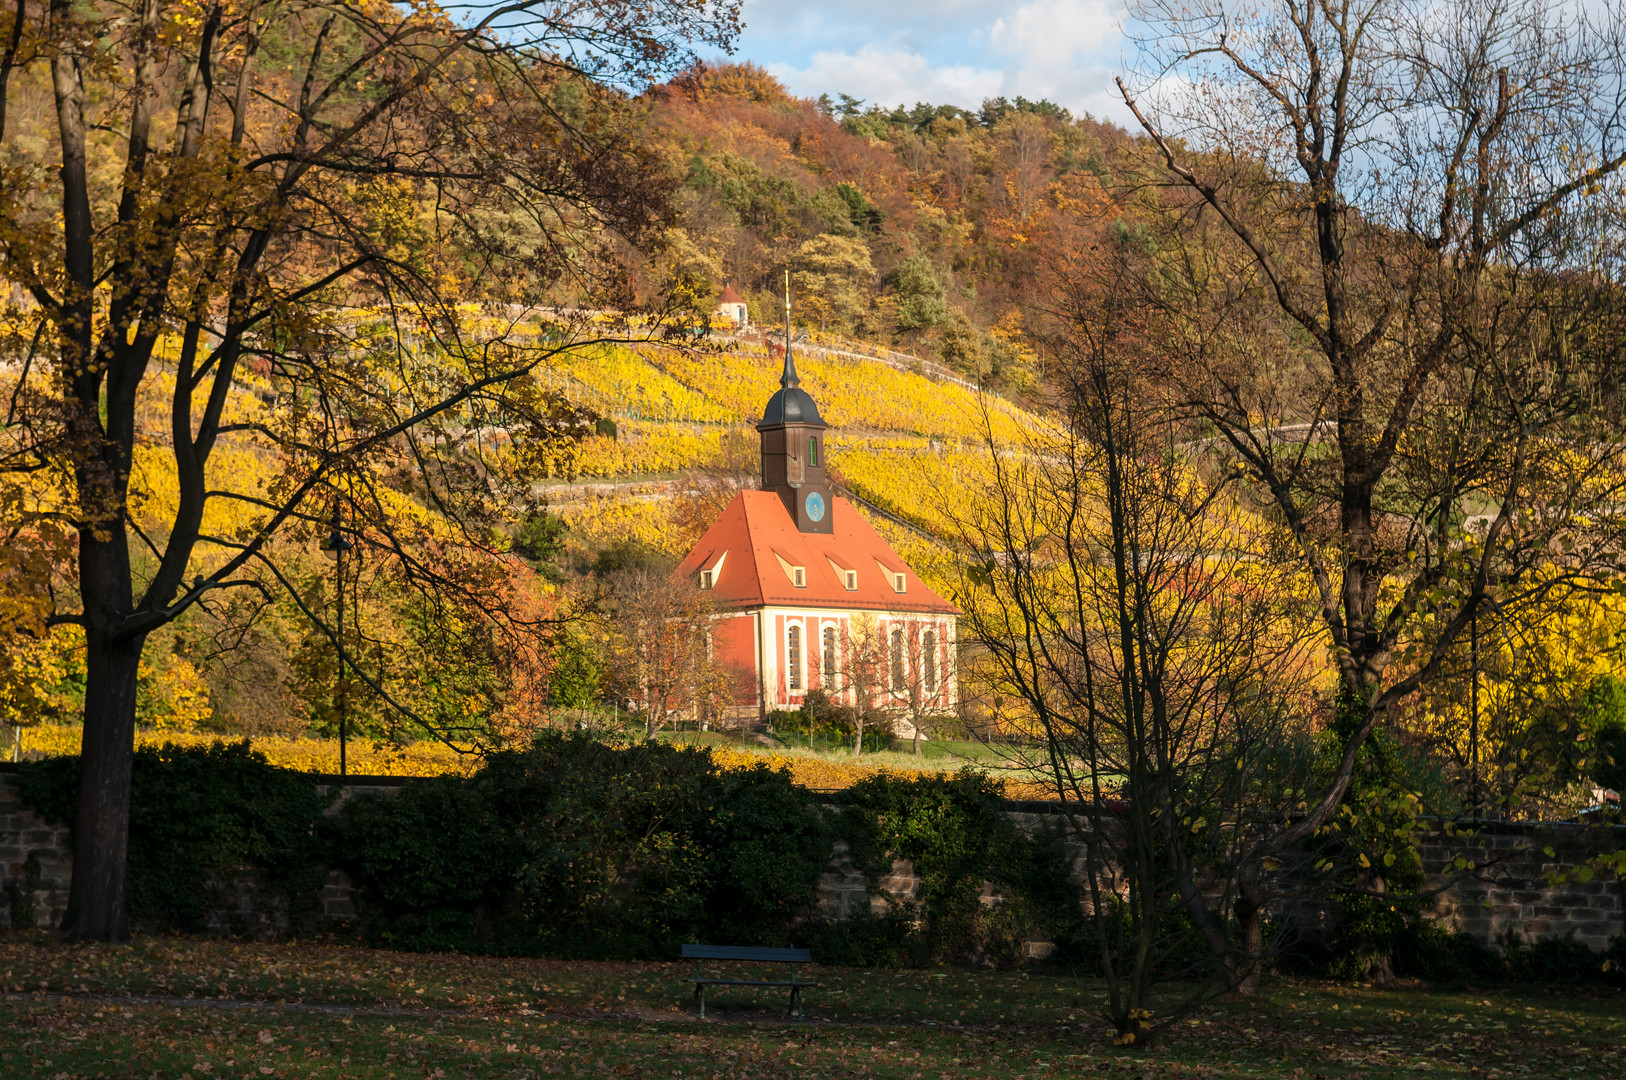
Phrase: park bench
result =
(746, 955)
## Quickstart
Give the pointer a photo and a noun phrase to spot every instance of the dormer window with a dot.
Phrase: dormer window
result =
(708, 575)
(796, 575)
(845, 574)
(891, 576)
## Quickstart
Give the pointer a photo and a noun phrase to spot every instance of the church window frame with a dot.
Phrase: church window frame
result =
(827, 667)
(793, 657)
(928, 663)
(900, 671)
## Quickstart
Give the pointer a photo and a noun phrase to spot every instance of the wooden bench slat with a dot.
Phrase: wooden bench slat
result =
(745, 952)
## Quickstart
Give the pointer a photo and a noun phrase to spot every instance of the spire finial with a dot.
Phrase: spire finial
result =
(788, 378)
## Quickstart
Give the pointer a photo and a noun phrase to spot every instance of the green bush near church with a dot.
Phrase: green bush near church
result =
(206, 821)
(578, 849)
(574, 848)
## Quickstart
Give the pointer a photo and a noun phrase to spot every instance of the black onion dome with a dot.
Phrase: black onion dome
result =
(792, 404)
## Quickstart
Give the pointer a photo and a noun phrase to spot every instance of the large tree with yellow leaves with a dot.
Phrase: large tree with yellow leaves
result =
(336, 207)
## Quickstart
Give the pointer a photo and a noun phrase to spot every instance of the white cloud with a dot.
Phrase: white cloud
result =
(948, 52)
(891, 77)
(1050, 34)
(922, 17)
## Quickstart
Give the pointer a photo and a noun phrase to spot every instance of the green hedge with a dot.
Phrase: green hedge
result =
(577, 849)
(203, 820)
(956, 833)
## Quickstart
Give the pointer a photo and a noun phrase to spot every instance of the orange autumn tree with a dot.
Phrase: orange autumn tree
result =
(339, 207)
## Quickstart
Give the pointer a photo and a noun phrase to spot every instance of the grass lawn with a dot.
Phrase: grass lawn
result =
(172, 1008)
(936, 755)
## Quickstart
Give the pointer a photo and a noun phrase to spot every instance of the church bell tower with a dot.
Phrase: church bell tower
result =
(793, 446)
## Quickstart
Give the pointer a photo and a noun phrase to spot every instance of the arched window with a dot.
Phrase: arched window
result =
(829, 658)
(899, 684)
(928, 663)
(793, 658)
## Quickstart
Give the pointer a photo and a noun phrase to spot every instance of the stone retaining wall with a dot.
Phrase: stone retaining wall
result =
(1505, 889)
(35, 863)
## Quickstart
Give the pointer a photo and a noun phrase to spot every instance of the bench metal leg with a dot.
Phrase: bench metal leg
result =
(700, 989)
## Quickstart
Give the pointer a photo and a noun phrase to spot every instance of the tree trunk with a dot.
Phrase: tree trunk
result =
(96, 896)
(1250, 918)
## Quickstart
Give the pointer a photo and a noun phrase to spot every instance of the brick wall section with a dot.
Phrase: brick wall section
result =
(336, 890)
(34, 863)
(844, 891)
(1506, 891)
(1505, 888)
(35, 894)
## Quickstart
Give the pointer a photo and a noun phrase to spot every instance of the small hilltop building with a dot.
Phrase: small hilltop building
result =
(731, 309)
(810, 595)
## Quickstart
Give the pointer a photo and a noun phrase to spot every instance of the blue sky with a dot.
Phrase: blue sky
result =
(954, 52)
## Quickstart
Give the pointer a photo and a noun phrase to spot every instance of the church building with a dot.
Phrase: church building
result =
(811, 596)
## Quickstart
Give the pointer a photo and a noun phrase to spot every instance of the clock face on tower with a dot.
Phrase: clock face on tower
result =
(815, 506)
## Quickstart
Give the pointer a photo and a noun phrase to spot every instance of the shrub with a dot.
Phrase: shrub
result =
(578, 849)
(202, 819)
(1441, 956)
(867, 939)
(954, 831)
(823, 723)
(573, 848)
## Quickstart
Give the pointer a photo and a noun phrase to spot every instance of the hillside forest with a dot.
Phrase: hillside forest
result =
(362, 371)
(909, 233)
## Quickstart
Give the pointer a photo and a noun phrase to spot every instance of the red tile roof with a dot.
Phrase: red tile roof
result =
(730, 296)
(756, 532)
